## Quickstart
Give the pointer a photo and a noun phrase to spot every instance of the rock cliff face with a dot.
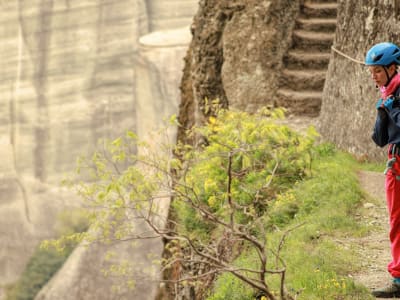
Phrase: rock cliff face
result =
(164, 14)
(249, 54)
(81, 276)
(348, 109)
(236, 55)
(73, 72)
(239, 50)
(76, 71)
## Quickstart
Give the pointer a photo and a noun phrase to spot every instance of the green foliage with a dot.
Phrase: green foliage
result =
(236, 196)
(45, 261)
(317, 267)
(42, 266)
(222, 189)
(374, 166)
(246, 162)
(72, 221)
(229, 287)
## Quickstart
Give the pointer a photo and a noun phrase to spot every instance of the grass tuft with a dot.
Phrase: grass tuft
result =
(318, 264)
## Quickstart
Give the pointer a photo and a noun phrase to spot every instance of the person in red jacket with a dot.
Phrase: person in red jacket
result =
(382, 60)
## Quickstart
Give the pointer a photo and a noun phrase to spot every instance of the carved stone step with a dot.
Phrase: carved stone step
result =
(320, 10)
(320, 1)
(303, 79)
(300, 102)
(306, 62)
(297, 59)
(317, 24)
(312, 41)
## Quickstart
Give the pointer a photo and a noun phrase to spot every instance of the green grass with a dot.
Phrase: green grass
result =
(374, 166)
(318, 266)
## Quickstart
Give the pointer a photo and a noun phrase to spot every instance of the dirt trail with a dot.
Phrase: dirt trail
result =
(373, 248)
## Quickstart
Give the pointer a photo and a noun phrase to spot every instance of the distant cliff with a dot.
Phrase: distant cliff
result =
(73, 72)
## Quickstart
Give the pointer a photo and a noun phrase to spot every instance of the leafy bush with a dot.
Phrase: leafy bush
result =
(248, 160)
(45, 262)
(42, 266)
(222, 189)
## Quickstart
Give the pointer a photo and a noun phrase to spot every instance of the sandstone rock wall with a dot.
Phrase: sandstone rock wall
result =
(255, 40)
(157, 70)
(59, 69)
(238, 51)
(83, 274)
(164, 14)
(73, 72)
(348, 108)
(235, 55)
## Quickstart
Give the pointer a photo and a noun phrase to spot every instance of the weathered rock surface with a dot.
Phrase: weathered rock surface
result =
(158, 78)
(349, 97)
(83, 275)
(61, 96)
(164, 14)
(252, 54)
(73, 72)
(236, 55)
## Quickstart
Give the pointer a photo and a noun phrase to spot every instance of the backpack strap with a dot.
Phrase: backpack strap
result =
(397, 94)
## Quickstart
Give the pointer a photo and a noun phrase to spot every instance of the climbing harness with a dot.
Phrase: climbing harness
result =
(389, 165)
(390, 162)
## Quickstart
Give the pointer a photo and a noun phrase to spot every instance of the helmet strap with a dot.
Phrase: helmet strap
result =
(389, 78)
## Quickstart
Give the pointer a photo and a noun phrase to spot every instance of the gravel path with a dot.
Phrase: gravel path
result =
(374, 247)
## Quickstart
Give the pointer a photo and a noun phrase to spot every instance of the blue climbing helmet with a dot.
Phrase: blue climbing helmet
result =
(383, 54)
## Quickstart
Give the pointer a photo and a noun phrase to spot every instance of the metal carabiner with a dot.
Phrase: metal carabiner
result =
(390, 162)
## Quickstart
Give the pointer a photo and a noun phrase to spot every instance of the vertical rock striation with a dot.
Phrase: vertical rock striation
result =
(349, 96)
(73, 72)
(164, 14)
(157, 73)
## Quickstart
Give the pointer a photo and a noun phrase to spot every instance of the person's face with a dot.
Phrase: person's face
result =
(379, 75)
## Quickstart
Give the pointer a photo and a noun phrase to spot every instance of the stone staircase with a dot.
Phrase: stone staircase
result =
(306, 63)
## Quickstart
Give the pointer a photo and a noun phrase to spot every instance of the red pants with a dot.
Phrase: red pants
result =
(392, 186)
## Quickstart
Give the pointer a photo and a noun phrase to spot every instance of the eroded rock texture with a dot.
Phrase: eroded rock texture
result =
(348, 107)
(73, 72)
(235, 55)
(253, 54)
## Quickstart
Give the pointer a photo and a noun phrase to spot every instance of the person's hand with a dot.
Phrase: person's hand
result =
(388, 104)
(379, 104)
